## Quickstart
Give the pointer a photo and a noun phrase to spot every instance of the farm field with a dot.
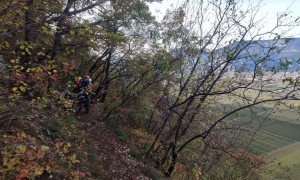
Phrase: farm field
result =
(278, 139)
(289, 115)
(267, 142)
(284, 163)
(276, 127)
(272, 134)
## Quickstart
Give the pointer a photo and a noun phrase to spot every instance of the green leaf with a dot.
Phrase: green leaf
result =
(229, 55)
(287, 40)
(289, 80)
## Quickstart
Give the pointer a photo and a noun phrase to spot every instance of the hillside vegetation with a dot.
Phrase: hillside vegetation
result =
(188, 97)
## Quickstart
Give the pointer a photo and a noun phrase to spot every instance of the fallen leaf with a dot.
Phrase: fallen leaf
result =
(21, 149)
(41, 154)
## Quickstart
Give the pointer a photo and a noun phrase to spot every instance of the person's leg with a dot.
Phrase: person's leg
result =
(87, 103)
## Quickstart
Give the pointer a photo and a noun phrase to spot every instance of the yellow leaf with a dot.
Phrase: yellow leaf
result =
(74, 159)
(22, 88)
(14, 89)
(65, 149)
(49, 169)
(45, 148)
(23, 135)
(33, 147)
(21, 149)
(12, 162)
(7, 44)
(27, 50)
(38, 170)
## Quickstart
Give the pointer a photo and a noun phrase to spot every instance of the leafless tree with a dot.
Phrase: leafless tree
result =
(224, 70)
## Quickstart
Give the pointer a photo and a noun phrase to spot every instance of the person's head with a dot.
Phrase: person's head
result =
(86, 77)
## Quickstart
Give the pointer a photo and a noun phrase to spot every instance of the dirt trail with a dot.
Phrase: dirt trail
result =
(114, 155)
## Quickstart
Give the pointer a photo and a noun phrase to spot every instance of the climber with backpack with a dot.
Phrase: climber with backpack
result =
(84, 90)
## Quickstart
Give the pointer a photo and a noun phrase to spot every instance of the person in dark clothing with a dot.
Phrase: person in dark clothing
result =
(84, 89)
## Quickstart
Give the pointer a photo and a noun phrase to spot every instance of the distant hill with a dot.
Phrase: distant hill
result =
(284, 50)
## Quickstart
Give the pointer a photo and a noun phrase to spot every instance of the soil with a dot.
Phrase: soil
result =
(113, 155)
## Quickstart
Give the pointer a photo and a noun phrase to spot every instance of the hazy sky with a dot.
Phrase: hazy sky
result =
(269, 9)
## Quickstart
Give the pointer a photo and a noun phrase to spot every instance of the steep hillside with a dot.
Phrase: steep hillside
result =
(45, 142)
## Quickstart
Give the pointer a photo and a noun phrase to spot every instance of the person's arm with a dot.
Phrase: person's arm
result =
(92, 85)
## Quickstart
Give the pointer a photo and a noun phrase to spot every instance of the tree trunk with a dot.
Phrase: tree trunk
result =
(27, 33)
(106, 78)
(173, 162)
(59, 32)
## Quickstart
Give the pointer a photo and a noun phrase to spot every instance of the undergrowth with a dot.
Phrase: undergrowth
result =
(39, 140)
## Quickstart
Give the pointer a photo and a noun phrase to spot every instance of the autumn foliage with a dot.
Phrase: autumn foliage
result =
(165, 88)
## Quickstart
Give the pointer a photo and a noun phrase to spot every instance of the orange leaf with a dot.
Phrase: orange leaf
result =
(41, 154)
(22, 175)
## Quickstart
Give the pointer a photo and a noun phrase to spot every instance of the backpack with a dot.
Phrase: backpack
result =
(84, 83)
